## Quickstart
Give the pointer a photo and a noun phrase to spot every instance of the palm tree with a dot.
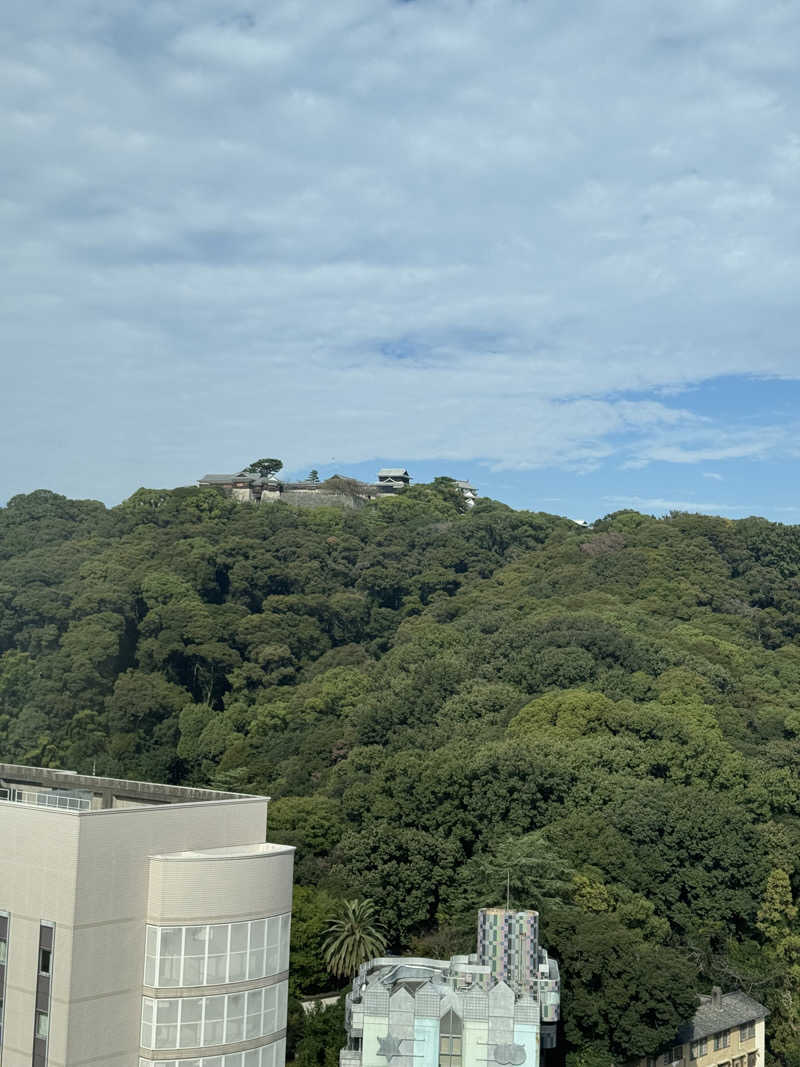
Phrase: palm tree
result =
(352, 937)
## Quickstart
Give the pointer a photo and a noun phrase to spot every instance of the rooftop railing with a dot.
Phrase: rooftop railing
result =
(45, 800)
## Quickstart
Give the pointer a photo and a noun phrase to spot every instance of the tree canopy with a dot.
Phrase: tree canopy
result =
(442, 702)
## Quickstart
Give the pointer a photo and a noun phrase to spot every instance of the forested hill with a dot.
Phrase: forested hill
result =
(436, 698)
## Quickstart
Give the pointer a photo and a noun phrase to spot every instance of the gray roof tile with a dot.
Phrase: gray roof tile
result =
(735, 1009)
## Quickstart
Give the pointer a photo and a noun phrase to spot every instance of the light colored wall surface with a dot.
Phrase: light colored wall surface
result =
(89, 874)
(40, 859)
(111, 906)
(220, 888)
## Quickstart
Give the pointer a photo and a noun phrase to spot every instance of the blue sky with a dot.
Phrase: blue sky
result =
(552, 248)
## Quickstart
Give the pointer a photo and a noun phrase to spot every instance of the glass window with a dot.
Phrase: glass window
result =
(3, 951)
(258, 933)
(166, 1036)
(171, 941)
(42, 1024)
(450, 1041)
(285, 938)
(239, 937)
(721, 1040)
(194, 970)
(166, 1011)
(190, 1035)
(217, 954)
(747, 1031)
(255, 963)
(699, 1049)
(169, 971)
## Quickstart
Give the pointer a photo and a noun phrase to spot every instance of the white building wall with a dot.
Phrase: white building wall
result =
(90, 874)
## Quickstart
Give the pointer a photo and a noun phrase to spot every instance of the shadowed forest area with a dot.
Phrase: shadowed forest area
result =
(439, 701)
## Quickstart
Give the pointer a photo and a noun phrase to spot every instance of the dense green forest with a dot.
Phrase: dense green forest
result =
(438, 699)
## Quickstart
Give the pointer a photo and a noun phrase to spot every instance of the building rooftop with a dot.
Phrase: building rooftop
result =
(731, 1009)
(393, 472)
(46, 787)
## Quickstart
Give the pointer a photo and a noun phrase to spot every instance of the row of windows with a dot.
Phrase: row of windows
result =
(739, 1061)
(699, 1049)
(3, 961)
(216, 954)
(198, 1022)
(272, 1055)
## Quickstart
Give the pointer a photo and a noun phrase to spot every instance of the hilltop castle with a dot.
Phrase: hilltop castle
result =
(339, 491)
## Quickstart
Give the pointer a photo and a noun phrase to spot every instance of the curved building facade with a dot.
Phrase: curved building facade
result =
(141, 925)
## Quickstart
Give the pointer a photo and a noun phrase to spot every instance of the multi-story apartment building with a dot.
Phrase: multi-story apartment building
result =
(141, 925)
(727, 1030)
(498, 1006)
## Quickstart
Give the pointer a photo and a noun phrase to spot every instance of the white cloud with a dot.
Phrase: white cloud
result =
(226, 230)
(713, 475)
(660, 505)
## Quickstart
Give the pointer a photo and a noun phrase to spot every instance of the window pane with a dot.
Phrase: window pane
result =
(255, 964)
(217, 970)
(166, 1037)
(167, 1011)
(193, 970)
(284, 951)
(218, 940)
(258, 933)
(236, 1002)
(171, 940)
(235, 1029)
(237, 969)
(215, 1007)
(238, 937)
(170, 971)
(196, 937)
(190, 1036)
(212, 1032)
(191, 1010)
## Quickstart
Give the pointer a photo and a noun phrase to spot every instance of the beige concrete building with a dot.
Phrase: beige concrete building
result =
(727, 1030)
(140, 925)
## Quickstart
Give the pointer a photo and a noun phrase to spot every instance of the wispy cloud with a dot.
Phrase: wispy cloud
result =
(713, 475)
(661, 505)
(510, 231)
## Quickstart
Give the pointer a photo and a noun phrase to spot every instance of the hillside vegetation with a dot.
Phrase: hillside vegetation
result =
(438, 701)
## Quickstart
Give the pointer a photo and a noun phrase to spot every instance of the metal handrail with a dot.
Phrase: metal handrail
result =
(45, 800)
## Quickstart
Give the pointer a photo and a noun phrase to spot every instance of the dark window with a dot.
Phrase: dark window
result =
(747, 1031)
(41, 1015)
(450, 1041)
(3, 962)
